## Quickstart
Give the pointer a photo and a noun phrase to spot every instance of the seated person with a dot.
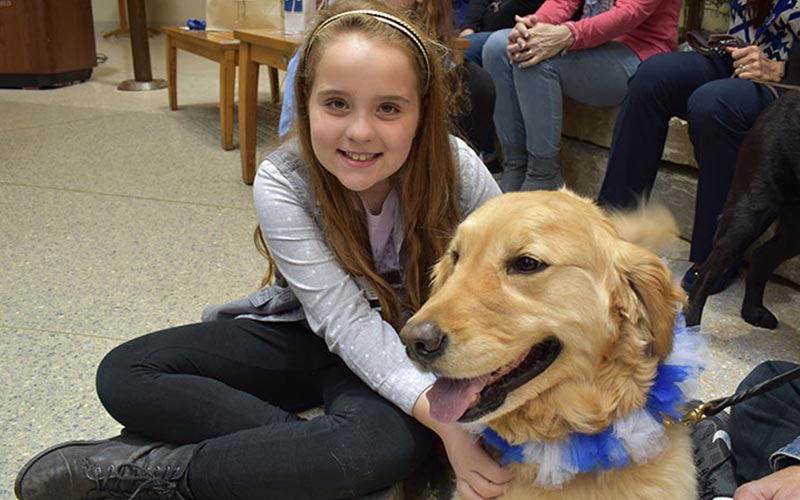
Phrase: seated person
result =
(482, 17)
(547, 55)
(717, 95)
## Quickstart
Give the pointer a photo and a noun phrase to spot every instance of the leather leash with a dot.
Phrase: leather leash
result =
(715, 406)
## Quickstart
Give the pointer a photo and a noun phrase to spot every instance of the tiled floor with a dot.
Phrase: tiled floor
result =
(120, 217)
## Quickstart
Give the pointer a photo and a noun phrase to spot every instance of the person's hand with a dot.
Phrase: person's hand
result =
(478, 476)
(468, 31)
(750, 63)
(542, 42)
(517, 38)
(781, 485)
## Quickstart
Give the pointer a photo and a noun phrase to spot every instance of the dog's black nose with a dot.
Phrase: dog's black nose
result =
(424, 341)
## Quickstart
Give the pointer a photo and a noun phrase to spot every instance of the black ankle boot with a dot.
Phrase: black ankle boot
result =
(122, 467)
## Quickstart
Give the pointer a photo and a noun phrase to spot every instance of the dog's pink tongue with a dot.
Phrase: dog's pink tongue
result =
(450, 398)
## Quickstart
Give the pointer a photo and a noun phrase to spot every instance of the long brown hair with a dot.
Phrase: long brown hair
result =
(427, 184)
(437, 18)
(758, 10)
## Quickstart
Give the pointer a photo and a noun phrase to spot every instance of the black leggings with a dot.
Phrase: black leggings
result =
(233, 387)
(477, 124)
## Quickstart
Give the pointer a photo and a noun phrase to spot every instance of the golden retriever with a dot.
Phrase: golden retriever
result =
(548, 327)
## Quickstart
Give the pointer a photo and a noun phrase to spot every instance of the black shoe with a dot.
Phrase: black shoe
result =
(712, 455)
(122, 467)
(721, 284)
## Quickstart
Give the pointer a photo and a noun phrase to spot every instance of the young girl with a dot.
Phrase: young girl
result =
(473, 91)
(354, 213)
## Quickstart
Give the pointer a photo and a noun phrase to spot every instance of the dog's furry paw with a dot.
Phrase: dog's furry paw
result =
(759, 316)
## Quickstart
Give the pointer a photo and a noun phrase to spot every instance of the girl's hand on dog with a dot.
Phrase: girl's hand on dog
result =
(750, 63)
(478, 476)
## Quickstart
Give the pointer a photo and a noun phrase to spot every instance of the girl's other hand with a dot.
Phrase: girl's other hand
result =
(478, 476)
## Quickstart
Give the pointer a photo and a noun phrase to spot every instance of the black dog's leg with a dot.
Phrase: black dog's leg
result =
(753, 204)
(739, 227)
(784, 245)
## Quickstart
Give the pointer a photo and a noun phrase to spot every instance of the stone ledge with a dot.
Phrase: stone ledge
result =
(596, 125)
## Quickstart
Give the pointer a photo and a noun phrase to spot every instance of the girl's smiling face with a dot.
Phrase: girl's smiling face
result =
(364, 108)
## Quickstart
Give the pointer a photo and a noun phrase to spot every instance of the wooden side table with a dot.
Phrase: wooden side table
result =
(273, 48)
(219, 46)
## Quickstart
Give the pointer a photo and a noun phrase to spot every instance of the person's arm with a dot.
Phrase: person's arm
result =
(288, 113)
(622, 18)
(557, 11)
(787, 456)
(474, 16)
(335, 306)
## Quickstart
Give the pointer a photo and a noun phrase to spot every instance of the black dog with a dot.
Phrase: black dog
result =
(766, 187)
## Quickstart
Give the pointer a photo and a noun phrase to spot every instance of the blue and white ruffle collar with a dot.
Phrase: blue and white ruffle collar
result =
(637, 437)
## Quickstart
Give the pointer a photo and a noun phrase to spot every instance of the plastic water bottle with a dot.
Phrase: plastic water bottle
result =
(296, 14)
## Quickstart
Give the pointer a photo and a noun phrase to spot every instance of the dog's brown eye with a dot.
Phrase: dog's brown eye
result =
(454, 256)
(526, 265)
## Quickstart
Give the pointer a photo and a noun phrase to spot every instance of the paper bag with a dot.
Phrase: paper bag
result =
(240, 14)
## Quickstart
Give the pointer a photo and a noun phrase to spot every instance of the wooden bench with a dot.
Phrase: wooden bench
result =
(219, 46)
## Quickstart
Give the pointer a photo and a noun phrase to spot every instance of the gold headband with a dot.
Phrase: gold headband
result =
(394, 22)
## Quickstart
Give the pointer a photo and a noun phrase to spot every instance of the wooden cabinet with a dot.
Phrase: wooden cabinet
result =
(45, 42)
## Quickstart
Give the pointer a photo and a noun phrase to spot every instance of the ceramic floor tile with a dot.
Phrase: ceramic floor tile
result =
(173, 155)
(734, 346)
(48, 395)
(115, 266)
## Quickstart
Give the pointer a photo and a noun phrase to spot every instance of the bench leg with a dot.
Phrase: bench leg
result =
(227, 79)
(248, 103)
(172, 73)
(274, 86)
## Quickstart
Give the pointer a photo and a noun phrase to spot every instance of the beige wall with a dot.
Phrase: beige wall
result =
(159, 12)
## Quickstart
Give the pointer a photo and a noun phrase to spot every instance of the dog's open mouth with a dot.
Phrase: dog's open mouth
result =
(469, 399)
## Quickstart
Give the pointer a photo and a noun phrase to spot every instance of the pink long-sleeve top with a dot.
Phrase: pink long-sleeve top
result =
(646, 26)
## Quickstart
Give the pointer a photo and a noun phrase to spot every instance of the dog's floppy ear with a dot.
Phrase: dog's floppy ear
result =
(645, 297)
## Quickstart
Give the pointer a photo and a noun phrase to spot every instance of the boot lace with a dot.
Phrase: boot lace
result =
(134, 482)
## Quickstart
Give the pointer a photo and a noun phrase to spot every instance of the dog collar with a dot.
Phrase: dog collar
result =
(637, 437)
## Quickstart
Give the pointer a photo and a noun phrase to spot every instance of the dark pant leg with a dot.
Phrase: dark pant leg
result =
(227, 385)
(477, 124)
(195, 382)
(659, 90)
(763, 424)
(363, 443)
(720, 113)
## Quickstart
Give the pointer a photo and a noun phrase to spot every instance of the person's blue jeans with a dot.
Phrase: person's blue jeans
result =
(528, 107)
(720, 111)
(476, 42)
